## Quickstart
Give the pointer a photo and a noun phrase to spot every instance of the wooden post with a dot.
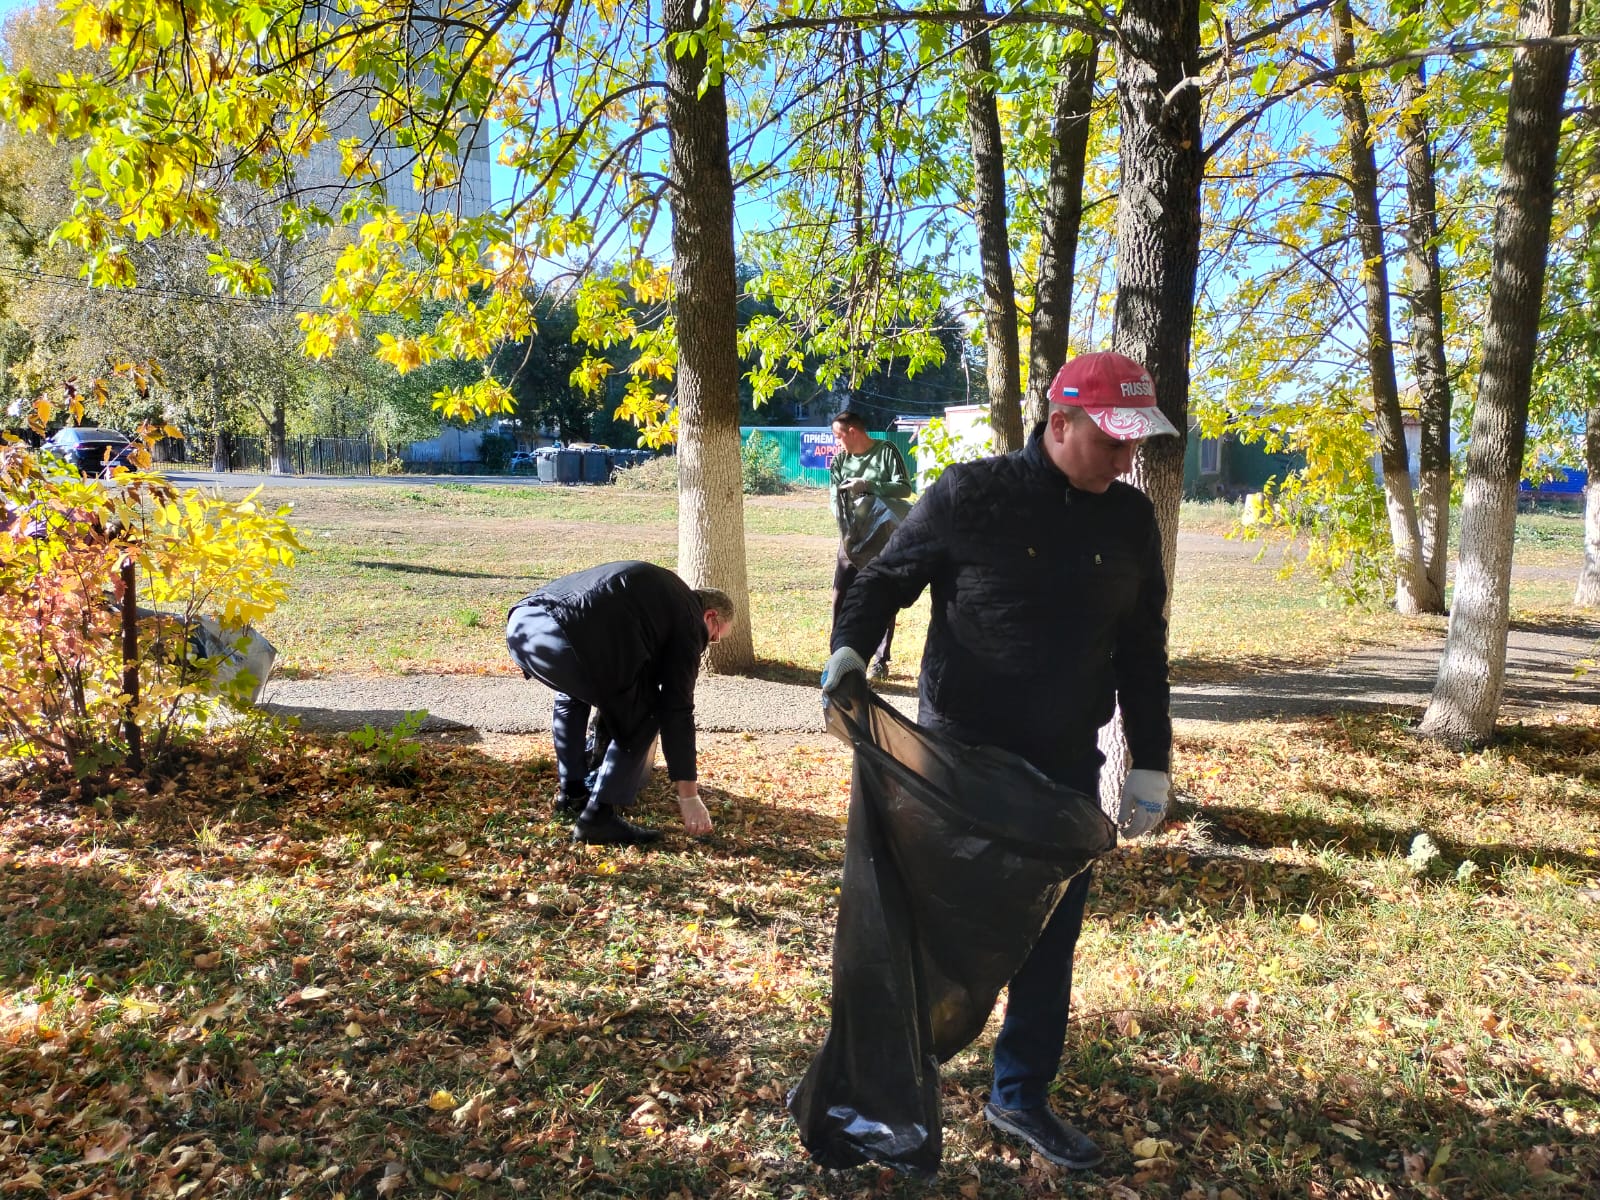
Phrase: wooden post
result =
(130, 666)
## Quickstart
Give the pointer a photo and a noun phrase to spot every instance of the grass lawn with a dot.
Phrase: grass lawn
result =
(399, 579)
(297, 969)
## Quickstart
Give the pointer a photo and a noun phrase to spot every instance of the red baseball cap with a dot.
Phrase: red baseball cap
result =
(1115, 391)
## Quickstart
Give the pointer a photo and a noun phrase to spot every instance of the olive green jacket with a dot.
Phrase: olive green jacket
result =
(883, 467)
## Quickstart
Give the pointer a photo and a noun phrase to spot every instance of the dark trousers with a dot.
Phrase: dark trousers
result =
(541, 649)
(1027, 1054)
(844, 574)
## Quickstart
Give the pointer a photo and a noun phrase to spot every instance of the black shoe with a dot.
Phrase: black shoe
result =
(613, 830)
(879, 669)
(1048, 1134)
(570, 804)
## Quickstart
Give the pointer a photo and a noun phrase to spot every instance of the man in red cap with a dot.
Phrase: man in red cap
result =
(1048, 611)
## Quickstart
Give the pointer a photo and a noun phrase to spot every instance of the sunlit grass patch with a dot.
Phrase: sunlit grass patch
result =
(418, 579)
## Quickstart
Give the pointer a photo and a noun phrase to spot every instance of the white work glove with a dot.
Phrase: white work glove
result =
(1145, 795)
(843, 661)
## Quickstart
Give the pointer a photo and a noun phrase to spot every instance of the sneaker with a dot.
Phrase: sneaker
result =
(880, 669)
(1047, 1133)
(613, 830)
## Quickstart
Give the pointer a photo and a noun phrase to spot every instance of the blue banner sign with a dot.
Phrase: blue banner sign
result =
(817, 448)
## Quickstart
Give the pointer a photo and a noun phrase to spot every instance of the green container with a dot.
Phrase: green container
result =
(806, 451)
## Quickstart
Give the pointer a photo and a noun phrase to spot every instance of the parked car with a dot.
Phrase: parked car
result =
(90, 450)
(522, 460)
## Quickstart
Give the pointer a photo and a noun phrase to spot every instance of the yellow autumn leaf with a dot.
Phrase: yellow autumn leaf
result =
(441, 1100)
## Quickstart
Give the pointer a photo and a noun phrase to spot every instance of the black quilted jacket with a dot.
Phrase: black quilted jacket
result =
(639, 632)
(1047, 610)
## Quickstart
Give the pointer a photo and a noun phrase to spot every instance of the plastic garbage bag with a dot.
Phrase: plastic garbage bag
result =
(865, 523)
(243, 657)
(955, 857)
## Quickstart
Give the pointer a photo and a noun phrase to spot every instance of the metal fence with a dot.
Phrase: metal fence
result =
(307, 455)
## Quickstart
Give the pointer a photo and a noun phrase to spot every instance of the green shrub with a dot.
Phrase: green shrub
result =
(761, 465)
(496, 450)
(938, 448)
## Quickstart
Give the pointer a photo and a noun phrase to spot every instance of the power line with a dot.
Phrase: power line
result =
(141, 289)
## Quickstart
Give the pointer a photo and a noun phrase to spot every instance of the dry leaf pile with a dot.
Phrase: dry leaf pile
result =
(288, 970)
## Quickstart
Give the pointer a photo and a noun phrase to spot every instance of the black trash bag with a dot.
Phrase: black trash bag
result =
(955, 858)
(865, 524)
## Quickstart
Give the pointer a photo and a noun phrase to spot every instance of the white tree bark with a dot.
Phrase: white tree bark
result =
(1411, 592)
(711, 531)
(1466, 695)
(710, 485)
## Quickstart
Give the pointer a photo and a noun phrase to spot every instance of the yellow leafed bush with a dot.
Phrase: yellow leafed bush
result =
(77, 557)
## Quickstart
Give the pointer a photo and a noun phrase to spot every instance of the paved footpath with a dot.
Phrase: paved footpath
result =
(1542, 665)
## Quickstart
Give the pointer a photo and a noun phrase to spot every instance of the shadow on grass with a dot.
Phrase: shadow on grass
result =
(1216, 1092)
(1253, 827)
(1196, 669)
(1224, 883)
(332, 720)
(403, 568)
(559, 1047)
(1558, 626)
(775, 671)
(67, 922)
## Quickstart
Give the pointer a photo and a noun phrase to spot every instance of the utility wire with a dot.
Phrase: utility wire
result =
(142, 289)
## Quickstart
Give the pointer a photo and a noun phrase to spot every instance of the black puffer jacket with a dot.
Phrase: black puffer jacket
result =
(639, 632)
(1047, 610)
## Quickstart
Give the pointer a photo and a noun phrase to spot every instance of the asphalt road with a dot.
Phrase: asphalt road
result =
(248, 480)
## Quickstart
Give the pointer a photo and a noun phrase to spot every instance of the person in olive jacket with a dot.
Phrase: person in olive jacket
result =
(863, 465)
(1048, 611)
(625, 638)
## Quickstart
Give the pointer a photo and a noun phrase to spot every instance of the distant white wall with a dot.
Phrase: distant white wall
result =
(968, 425)
(451, 446)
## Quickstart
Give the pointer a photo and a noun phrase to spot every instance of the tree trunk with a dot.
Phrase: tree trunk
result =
(1002, 354)
(1588, 593)
(278, 434)
(1158, 252)
(710, 487)
(1411, 585)
(1059, 225)
(1466, 695)
(219, 435)
(1425, 298)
